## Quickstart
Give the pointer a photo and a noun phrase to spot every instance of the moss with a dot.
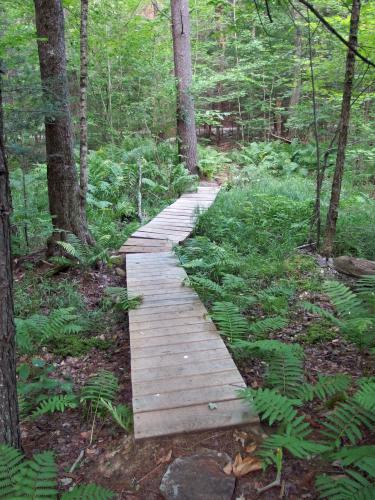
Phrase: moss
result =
(75, 345)
(318, 333)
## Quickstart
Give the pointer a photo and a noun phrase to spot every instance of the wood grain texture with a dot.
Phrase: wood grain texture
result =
(179, 362)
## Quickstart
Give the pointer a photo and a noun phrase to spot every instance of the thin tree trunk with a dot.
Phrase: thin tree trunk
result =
(316, 218)
(83, 149)
(186, 130)
(63, 187)
(332, 215)
(9, 420)
(296, 92)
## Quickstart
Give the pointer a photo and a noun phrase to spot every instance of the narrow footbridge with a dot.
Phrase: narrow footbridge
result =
(183, 377)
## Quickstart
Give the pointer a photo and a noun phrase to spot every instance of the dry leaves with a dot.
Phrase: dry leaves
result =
(164, 459)
(243, 466)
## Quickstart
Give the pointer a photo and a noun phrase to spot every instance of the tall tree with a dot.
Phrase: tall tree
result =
(342, 140)
(9, 428)
(83, 144)
(63, 187)
(186, 130)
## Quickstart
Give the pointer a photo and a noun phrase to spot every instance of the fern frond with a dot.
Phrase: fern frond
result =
(326, 387)
(37, 477)
(263, 326)
(345, 487)
(103, 385)
(121, 414)
(298, 447)
(284, 364)
(230, 321)
(120, 297)
(88, 492)
(366, 284)
(365, 396)
(10, 463)
(346, 421)
(319, 311)
(58, 403)
(270, 405)
(361, 457)
(206, 287)
(346, 302)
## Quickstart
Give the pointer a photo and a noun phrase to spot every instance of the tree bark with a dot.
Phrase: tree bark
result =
(9, 420)
(330, 231)
(186, 130)
(63, 187)
(83, 143)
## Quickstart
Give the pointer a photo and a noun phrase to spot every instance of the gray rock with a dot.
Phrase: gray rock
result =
(198, 477)
(120, 272)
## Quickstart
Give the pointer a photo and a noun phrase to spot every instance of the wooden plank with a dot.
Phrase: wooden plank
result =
(193, 419)
(181, 347)
(188, 397)
(149, 327)
(134, 249)
(169, 339)
(168, 372)
(180, 358)
(195, 308)
(184, 383)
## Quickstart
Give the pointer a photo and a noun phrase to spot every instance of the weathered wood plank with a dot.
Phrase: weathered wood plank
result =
(188, 397)
(193, 419)
(181, 347)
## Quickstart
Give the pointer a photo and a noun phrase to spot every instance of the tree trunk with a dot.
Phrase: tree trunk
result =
(83, 144)
(332, 215)
(63, 187)
(186, 131)
(9, 421)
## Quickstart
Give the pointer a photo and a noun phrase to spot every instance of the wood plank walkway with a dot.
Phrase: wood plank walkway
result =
(179, 362)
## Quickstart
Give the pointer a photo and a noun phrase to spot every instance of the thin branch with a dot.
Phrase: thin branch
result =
(330, 28)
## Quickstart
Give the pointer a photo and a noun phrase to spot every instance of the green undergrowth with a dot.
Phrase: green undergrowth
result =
(244, 262)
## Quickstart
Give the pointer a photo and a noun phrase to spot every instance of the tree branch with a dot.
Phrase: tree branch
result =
(330, 28)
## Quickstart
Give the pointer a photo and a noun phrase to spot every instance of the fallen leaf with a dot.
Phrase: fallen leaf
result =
(240, 436)
(165, 458)
(228, 469)
(250, 448)
(241, 466)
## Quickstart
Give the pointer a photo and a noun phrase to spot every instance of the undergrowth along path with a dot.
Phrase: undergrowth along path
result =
(183, 377)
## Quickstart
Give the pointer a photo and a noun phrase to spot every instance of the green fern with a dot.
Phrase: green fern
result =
(270, 405)
(54, 404)
(85, 255)
(326, 387)
(10, 464)
(206, 288)
(261, 327)
(103, 385)
(121, 414)
(299, 447)
(284, 364)
(88, 492)
(229, 320)
(352, 486)
(346, 302)
(119, 296)
(365, 396)
(37, 478)
(346, 422)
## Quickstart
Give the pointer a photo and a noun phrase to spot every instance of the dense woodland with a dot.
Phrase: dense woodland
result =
(109, 111)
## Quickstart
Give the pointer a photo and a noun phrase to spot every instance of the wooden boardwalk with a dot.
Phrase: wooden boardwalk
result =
(183, 377)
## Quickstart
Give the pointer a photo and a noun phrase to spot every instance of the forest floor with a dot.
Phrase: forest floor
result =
(134, 471)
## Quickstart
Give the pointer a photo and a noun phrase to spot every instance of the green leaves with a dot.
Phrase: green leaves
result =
(229, 320)
(271, 406)
(37, 478)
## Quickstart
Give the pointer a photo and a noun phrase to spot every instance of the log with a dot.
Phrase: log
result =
(354, 267)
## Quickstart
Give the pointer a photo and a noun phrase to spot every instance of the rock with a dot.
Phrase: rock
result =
(354, 267)
(198, 477)
(120, 272)
(65, 481)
